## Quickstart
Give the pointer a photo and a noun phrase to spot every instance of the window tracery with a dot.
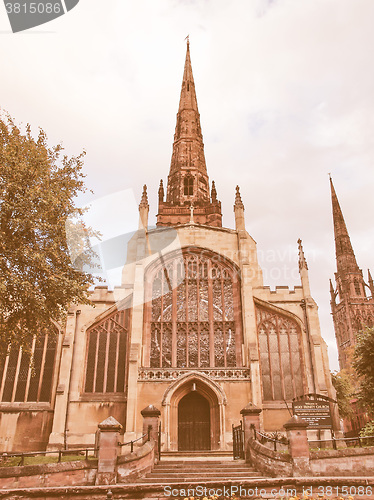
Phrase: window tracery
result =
(26, 375)
(107, 354)
(194, 313)
(280, 354)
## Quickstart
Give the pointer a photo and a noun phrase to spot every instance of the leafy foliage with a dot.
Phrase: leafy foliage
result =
(38, 185)
(368, 430)
(364, 367)
(344, 392)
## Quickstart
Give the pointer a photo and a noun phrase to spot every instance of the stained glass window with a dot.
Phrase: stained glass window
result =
(280, 355)
(26, 375)
(107, 354)
(194, 322)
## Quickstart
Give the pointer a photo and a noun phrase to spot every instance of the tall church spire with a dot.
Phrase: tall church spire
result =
(351, 309)
(345, 257)
(188, 181)
(188, 147)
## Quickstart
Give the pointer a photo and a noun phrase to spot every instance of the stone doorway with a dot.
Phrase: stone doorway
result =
(215, 401)
(194, 423)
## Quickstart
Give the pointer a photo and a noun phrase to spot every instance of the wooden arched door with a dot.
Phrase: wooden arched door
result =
(193, 423)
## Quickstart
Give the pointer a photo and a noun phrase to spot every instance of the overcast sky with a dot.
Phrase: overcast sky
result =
(285, 91)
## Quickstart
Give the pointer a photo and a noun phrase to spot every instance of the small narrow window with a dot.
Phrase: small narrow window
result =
(357, 287)
(188, 186)
(188, 87)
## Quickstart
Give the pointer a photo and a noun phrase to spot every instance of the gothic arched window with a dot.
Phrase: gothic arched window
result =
(22, 381)
(280, 354)
(194, 314)
(188, 185)
(107, 354)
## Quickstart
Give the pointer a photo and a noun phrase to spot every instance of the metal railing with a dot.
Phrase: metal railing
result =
(131, 443)
(277, 439)
(73, 451)
(355, 441)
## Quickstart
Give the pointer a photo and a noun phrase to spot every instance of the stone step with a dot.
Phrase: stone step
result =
(197, 465)
(208, 453)
(206, 475)
(199, 456)
(201, 477)
(197, 470)
(196, 480)
(202, 463)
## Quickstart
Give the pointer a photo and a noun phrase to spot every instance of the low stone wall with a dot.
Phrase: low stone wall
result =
(270, 463)
(79, 473)
(333, 463)
(348, 461)
(49, 475)
(137, 464)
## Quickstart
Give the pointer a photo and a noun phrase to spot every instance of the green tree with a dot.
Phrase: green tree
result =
(363, 365)
(344, 392)
(38, 185)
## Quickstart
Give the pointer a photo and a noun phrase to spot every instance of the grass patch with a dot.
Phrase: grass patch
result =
(42, 459)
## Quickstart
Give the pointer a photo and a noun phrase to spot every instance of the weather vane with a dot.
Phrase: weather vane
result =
(188, 39)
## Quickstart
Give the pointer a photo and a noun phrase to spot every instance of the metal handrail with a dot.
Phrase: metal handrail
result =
(258, 433)
(131, 443)
(267, 437)
(26, 454)
(334, 440)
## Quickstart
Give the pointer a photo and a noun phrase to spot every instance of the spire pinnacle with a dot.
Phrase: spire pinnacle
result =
(345, 257)
(214, 192)
(238, 199)
(302, 261)
(144, 200)
(161, 191)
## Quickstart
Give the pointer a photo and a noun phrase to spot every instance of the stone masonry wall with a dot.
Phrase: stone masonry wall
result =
(269, 462)
(352, 462)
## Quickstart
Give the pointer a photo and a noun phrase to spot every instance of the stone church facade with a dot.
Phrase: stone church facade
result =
(193, 330)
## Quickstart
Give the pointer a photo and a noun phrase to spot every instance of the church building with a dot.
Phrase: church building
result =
(352, 305)
(192, 330)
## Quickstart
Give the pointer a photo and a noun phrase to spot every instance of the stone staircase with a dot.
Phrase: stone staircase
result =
(189, 469)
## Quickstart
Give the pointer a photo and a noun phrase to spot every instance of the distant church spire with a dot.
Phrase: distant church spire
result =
(351, 309)
(188, 181)
(345, 257)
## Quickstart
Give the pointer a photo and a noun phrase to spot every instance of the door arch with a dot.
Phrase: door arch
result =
(194, 423)
(207, 388)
